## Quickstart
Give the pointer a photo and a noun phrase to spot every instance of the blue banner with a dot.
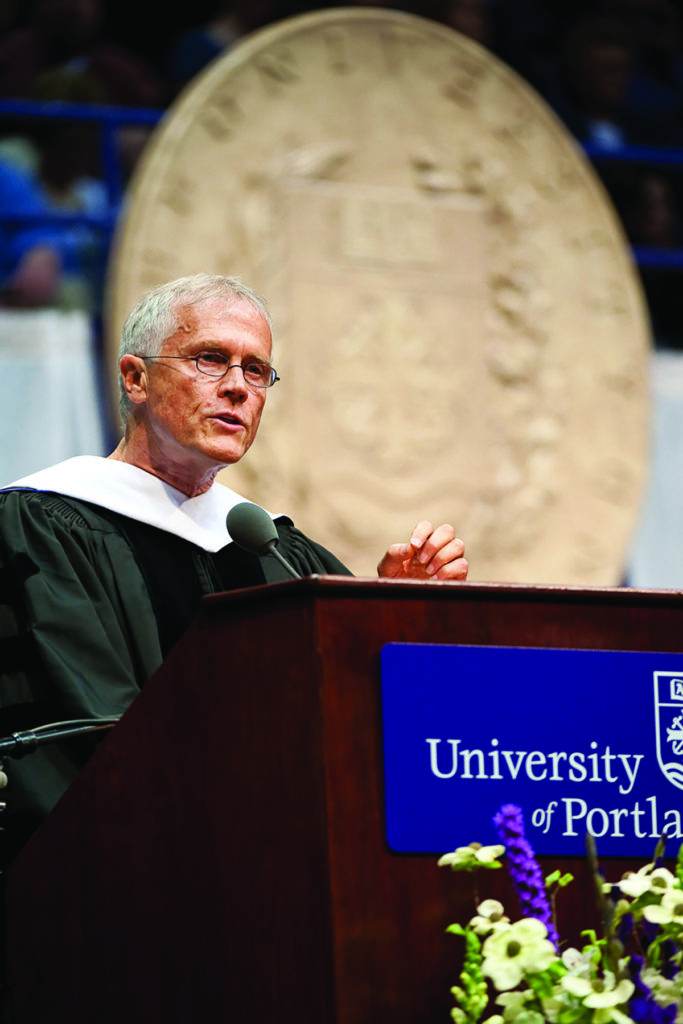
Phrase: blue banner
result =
(583, 741)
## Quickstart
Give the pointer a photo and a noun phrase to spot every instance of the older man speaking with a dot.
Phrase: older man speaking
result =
(105, 561)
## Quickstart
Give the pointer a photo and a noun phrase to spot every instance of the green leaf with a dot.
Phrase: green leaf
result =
(659, 848)
(679, 866)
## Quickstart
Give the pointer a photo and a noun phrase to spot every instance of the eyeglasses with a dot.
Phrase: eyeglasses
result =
(216, 365)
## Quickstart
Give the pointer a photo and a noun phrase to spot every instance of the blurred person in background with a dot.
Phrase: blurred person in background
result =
(591, 90)
(472, 18)
(44, 264)
(656, 86)
(198, 46)
(55, 170)
(528, 34)
(653, 216)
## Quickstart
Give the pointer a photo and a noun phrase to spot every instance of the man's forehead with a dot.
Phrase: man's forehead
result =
(221, 318)
(238, 308)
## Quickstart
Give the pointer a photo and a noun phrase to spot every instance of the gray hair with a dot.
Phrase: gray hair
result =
(154, 318)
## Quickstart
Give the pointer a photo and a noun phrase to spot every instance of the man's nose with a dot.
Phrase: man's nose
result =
(233, 382)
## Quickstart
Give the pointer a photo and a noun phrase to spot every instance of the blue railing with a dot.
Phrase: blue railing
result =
(110, 119)
(651, 156)
(659, 156)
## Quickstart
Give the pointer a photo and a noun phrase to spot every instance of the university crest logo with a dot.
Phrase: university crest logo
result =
(669, 724)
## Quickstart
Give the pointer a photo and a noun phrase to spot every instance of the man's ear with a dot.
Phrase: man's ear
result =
(134, 377)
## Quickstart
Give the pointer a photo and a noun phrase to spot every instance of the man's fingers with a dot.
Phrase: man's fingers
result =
(420, 534)
(437, 540)
(455, 570)
(399, 552)
(393, 562)
(432, 553)
(450, 552)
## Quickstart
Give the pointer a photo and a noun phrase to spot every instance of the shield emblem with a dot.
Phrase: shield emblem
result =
(669, 725)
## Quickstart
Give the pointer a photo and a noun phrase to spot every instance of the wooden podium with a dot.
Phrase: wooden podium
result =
(222, 856)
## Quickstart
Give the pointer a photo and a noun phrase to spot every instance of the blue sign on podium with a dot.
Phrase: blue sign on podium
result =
(583, 741)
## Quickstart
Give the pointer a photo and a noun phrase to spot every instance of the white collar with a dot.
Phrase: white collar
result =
(133, 492)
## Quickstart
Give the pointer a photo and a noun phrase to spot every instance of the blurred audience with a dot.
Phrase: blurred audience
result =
(66, 35)
(47, 264)
(592, 90)
(195, 48)
(612, 70)
(59, 166)
(61, 54)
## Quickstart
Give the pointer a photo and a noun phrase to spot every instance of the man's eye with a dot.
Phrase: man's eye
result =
(212, 358)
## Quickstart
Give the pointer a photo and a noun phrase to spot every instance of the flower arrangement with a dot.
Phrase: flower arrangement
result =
(632, 973)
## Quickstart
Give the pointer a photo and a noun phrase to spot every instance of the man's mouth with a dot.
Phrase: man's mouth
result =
(229, 419)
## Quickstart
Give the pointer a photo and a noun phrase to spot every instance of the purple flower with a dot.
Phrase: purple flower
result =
(625, 928)
(648, 932)
(642, 1007)
(669, 968)
(524, 869)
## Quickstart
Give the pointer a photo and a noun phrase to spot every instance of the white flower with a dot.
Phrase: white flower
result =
(599, 993)
(647, 879)
(578, 987)
(664, 989)
(513, 1003)
(611, 1015)
(577, 963)
(669, 911)
(554, 1005)
(530, 1017)
(490, 915)
(487, 854)
(661, 881)
(466, 858)
(515, 950)
(516, 1008)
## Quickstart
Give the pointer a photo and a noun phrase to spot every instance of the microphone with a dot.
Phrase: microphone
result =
(251, 527)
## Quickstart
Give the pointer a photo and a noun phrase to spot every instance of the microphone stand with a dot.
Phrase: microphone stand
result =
(18, 744)
(271, 549)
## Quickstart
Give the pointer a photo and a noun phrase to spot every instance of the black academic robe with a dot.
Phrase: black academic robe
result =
(90, 603)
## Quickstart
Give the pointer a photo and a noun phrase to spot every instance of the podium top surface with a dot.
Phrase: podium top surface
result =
(317, 586)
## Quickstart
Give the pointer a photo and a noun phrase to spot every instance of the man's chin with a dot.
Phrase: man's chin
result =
(224, 455)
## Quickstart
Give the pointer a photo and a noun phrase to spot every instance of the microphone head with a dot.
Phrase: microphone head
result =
(251, 527)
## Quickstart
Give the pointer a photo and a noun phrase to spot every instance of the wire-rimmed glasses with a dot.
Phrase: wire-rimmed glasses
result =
(216, 365)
